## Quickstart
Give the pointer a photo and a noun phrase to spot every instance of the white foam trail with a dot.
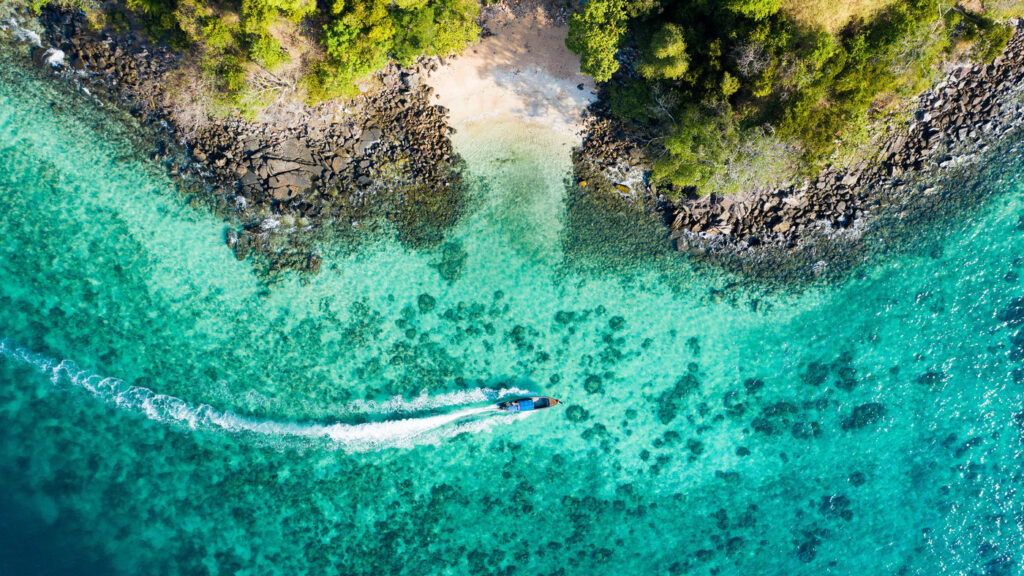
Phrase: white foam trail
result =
(352, 437)
(21, 34)
(425, 401)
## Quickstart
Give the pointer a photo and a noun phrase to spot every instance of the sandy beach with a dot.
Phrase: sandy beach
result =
(523, 69)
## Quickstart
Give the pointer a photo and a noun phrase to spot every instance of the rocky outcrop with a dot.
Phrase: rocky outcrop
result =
(282, 185)
(376, 163)
(799, 231)
(955, 123)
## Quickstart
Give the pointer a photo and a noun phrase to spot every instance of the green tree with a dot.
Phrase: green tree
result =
(438, 27)
(730, 85)
(595, 35)
(266, 51)
(693, 149)
(665, 57)
(756, 9)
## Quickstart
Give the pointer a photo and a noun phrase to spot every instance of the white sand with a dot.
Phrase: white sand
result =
(524, 70)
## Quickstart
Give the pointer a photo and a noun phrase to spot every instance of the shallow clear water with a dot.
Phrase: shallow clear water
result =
(163, 411)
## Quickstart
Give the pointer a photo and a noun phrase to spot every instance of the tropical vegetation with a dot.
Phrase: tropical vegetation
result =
(737, 91)
(238, 42)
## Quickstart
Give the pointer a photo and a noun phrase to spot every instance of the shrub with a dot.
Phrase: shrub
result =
(267, 52)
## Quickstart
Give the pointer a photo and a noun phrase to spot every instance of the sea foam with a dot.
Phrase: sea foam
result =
(21, 34)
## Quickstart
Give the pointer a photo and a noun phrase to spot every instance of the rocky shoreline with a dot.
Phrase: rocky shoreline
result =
(282, 186)
(799, 232)
(386, 156)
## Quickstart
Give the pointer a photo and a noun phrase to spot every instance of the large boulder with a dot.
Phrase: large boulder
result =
(295, 150)
(863, 416)
(368, 140)
(275, 166)
(289, 184)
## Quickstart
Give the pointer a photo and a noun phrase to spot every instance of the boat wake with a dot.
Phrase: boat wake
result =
(399, 422)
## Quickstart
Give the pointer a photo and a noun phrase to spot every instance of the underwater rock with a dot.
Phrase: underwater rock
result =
(966, 446)
(1002, 565)
(857, 478)
(843, 367)
(670, 401)
(1013, 314)
(753, 385)
(721, 517)
(1017, 343)
(519, 336)
(564, 317)
(453, 259)
(815, 374)
(730, 477)
(696, 447)
(733, 545)
(807, 550)
(693, 343)
(863, 415)
(425, 302)
(1018, 375)
(774, 418)
(806, 430)
(313, 263)
(576, 413)
(734, 408)
(836, 506)
(593, 384)
(596, 431)
(931, 378)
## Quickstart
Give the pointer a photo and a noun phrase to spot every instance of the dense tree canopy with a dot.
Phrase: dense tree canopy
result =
(718, 78)
(665, 55)
(357, 37)
(365, 34)
(595, 34)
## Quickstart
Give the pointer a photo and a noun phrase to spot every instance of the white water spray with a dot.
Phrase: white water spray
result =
(351, 437)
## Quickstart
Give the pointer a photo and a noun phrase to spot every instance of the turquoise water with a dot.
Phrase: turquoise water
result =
(165, 412)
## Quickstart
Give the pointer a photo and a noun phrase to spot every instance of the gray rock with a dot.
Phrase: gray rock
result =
(369, 139)
(276, 166)
(250, 179)
(295, 150)
(300, 181)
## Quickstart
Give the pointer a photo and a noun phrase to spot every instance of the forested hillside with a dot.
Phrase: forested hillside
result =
(733, 93)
